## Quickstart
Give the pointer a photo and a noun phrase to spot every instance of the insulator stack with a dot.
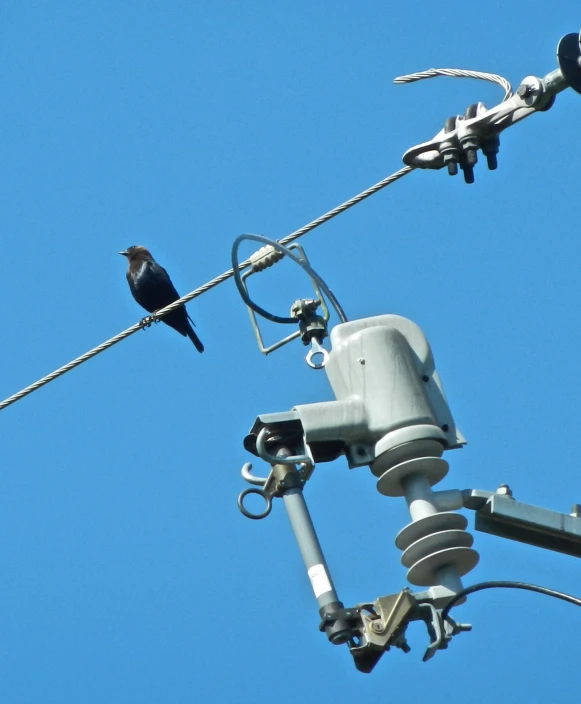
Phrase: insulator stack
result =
(436, 547)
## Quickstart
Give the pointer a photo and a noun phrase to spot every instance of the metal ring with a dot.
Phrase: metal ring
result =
(312, 352)
(255, 516)
(271, 459)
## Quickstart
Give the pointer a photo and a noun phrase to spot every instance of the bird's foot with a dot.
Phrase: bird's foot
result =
(146, 322)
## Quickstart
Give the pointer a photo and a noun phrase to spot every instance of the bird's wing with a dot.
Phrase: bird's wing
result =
(159, 280)
(151, 286)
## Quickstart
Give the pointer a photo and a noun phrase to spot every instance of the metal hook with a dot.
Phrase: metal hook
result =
(434, 624)
(251, 478)
(271, 459)
(255, 516)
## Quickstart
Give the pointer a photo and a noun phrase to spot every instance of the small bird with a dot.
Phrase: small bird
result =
(153, 290)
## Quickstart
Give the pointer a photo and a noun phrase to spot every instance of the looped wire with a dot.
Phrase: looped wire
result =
(458, 73)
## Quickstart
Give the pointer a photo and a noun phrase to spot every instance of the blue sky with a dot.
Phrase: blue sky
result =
(128, 574)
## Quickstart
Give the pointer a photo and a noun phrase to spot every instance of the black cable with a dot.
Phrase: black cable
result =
(287, 252)
(508, 585)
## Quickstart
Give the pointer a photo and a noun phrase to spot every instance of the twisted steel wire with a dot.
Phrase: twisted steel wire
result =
(457, 73)
(146, 322)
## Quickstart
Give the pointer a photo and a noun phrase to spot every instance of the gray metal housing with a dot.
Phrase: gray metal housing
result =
(388, 392)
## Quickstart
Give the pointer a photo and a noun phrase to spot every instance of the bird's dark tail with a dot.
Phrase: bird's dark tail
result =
(195, 339)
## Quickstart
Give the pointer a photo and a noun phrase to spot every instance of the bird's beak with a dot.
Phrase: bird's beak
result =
(124, 252)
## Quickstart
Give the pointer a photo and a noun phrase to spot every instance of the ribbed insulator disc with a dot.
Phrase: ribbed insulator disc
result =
(424, 572)
(428, 525)
(433, 468)
(434, 543)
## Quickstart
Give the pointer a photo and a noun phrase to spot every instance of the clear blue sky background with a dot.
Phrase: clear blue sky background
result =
(127, 573)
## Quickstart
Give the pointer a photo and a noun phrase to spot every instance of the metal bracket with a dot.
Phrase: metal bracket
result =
(507, 518)
(440, 630)
(457, 144)
(282, 476)
(383, 624)
(313, 330)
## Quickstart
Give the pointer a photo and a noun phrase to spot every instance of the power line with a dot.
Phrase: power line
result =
(508, 584)
(199, 291)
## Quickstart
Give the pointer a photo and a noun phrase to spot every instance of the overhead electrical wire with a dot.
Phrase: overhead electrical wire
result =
(146, 322)
(508, 584)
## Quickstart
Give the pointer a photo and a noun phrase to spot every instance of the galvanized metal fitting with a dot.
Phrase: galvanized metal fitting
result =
(504, 490)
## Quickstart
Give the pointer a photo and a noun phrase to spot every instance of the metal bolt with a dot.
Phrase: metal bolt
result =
(576, 510)
(490, 149)
(377, 626)
(450, 159)
(491, 161)
(471, 157)
(470, 145)
(524, 90)
(448, 148)
(468, 173)
(504, 490)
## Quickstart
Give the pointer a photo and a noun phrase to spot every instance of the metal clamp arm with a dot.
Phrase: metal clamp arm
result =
(479, 128)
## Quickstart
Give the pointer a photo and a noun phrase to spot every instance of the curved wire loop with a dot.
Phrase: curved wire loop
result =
(287, 252)
(457, 73)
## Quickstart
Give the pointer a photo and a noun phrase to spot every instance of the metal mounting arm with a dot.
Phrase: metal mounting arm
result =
(499, 514)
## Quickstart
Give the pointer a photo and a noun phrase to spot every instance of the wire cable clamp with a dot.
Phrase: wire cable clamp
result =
(458, 143)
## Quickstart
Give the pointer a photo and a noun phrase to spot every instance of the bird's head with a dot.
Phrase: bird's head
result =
(136, 252)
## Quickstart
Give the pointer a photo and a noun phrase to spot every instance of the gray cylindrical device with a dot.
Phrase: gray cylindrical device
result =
(391, 413)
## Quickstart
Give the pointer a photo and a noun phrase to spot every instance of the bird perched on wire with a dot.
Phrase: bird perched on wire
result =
(153, 290)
